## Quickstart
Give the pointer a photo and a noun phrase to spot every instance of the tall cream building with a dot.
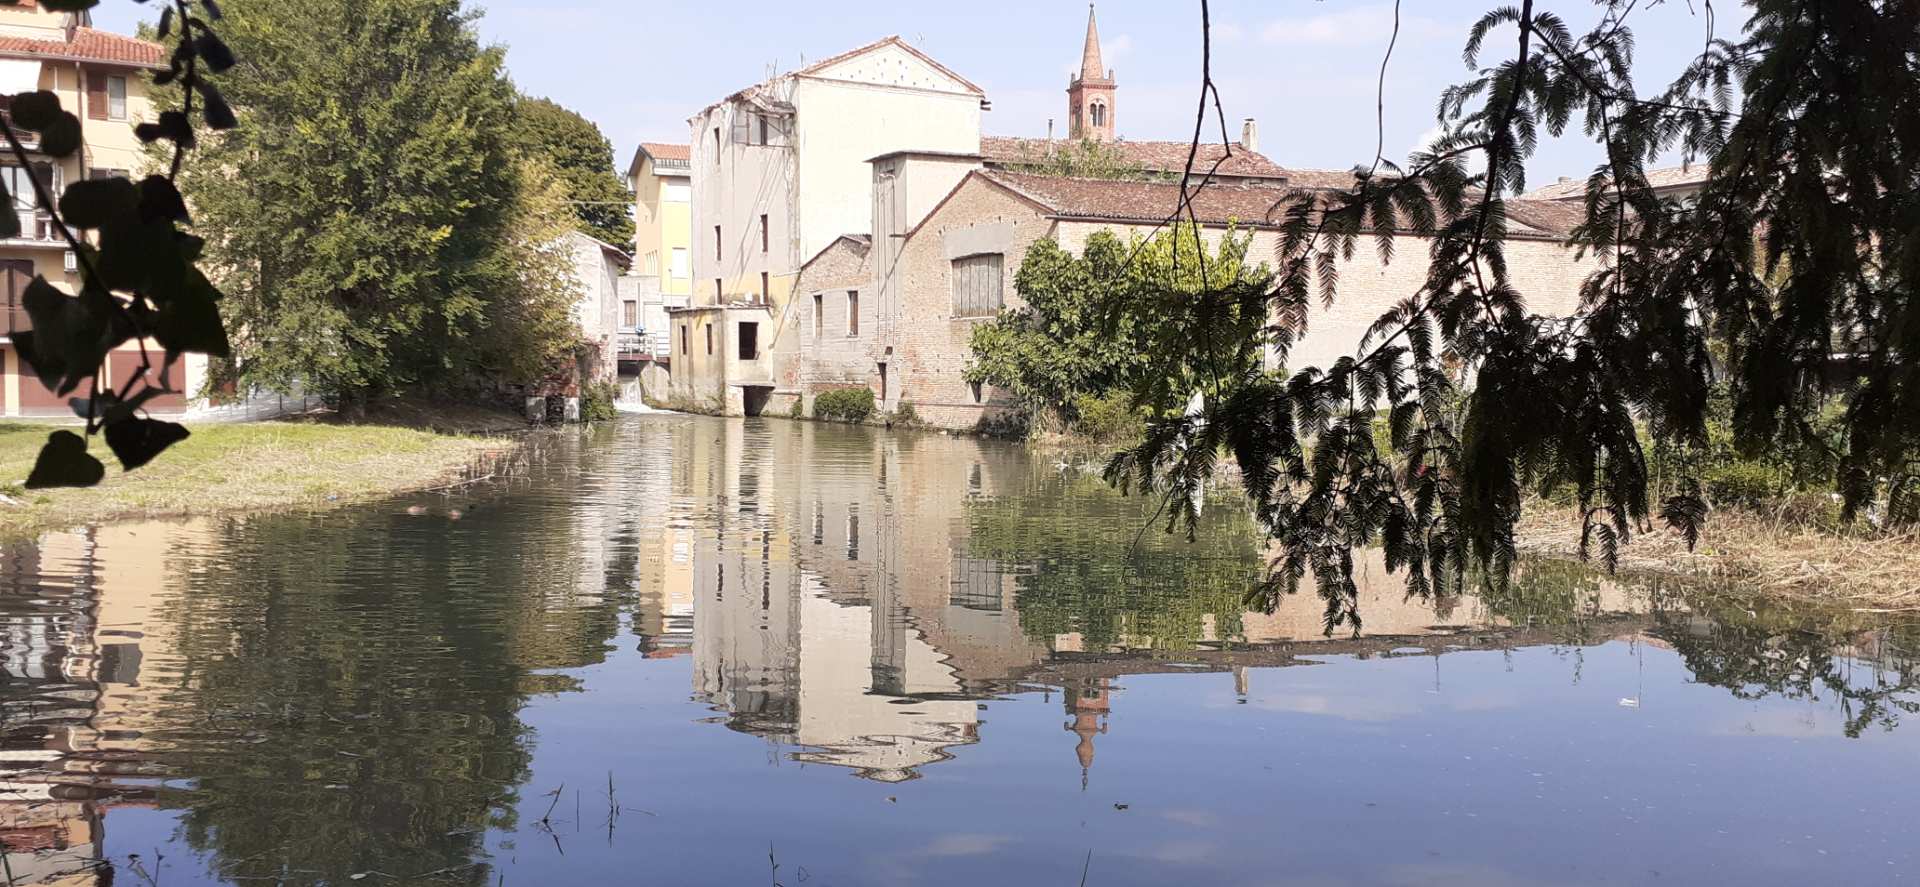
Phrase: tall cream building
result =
(103, 79)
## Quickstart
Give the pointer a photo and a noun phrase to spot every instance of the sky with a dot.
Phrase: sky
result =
(1305, 69)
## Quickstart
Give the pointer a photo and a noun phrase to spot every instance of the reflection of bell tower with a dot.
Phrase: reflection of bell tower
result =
(1089, 705)
(1090, 94)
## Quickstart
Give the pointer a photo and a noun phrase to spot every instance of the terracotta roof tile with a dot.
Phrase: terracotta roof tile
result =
(1170, 157)
(1222, 203)
(88, 45)
(664, 151)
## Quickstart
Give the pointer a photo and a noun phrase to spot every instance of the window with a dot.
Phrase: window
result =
(684, 350)
(883, 391)
(716, 243)
(763, 233)
(677, 267)
(762, 120)
(853, 312)
(749, 336)
(766, 291)
(819, 316)
(716, 291)
(1099, 114)
(709, 329)
(630, 313)
(99, 173)
(976, 285)
(716, 146)
(653, 262)
(116, 98)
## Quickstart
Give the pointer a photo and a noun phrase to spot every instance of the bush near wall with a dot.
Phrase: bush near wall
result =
(844, 405)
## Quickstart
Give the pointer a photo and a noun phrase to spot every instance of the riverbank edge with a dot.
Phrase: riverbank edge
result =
(313, 463)
(1754, 555)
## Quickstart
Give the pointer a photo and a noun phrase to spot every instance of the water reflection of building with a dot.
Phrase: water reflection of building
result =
(835, 608)
(72, 702)
(842, 606)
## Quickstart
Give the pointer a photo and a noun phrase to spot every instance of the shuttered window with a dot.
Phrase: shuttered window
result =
(976, 285)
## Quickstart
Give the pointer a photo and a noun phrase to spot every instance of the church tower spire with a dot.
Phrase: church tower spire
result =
(1090, 94)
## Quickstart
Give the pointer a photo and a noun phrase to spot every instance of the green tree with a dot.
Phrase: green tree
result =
(365, 214)
(1089, 322)
(584, 160)
(1798, 262)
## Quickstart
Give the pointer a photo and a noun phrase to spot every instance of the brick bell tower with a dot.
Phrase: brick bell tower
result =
(1090, 105)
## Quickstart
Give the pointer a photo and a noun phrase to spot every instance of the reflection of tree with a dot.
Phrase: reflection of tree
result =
(1755, 651)
(1075, 578)
(350, 686)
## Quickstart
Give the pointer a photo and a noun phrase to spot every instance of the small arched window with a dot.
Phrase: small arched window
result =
(1099, 114)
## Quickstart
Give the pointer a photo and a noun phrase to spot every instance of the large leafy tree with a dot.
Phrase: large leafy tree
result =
(1088, 323)
(583, 158)
(1796, 265)
(365, 213)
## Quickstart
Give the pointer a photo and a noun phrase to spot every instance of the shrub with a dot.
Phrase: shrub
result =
(1108, 418)
(596, 402)
(905, 414)
(844, 404)
(799, 408)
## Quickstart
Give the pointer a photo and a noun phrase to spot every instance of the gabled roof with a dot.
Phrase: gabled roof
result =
(88, 45)
(890, 40)
(673, 159)
(1165, 157)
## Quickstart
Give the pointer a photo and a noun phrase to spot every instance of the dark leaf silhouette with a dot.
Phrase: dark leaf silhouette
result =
(65, 462)
(136, 441)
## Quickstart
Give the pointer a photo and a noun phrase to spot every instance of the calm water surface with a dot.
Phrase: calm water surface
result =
(698, 651)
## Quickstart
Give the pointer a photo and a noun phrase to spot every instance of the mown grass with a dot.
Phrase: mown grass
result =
(237, 468)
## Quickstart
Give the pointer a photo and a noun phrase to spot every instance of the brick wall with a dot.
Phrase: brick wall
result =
(931, 346)
(809, 363)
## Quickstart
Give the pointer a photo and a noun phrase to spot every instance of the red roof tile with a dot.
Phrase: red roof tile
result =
(1168, 157)
(1221, 203)
(88, 45)
(664, 151)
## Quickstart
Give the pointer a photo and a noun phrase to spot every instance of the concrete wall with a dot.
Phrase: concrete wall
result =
(718, 380)
(663, 223)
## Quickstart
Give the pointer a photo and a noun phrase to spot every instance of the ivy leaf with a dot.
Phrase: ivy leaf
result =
(65, 462)
(61, 137)
(34, 110)
(160, 199)
(218, 113)
(190, 320)
(95, 202)
(70, 5)
(213, 51)
(136, 441)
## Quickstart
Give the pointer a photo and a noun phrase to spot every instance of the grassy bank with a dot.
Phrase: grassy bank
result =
(241, 467)
(1754, 553)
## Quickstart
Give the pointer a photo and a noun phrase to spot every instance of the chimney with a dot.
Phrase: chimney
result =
(1250, 135)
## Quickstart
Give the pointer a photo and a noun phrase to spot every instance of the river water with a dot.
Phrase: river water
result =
(683, 650)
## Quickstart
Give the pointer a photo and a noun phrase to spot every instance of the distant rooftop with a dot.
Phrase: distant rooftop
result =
(1660, 179)
(87, 45)
(1167, 157)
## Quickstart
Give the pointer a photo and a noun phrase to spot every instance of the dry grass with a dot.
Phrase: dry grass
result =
(239, 467)
(1867, 571)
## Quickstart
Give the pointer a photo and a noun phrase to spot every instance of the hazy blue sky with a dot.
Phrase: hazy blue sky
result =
(1305, 68)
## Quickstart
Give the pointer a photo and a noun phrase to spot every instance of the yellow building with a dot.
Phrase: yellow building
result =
(102, 78)
(662, 184)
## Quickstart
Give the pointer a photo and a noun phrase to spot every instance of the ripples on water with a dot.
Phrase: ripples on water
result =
(690, 651)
